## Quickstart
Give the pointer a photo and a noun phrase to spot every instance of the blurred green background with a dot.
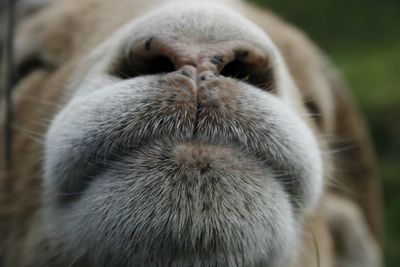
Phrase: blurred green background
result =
(363, 39)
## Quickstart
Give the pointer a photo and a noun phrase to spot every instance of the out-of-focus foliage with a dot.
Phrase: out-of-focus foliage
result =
(363, 38)
(341, 22)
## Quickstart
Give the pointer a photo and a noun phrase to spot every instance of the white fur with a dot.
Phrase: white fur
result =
(129, 197)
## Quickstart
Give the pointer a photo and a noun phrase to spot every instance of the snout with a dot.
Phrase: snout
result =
(178, 148)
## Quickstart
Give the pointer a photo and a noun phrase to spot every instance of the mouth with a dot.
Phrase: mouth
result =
(169, 113)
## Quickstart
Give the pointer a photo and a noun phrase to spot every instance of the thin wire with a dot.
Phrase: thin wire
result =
(313, 234)
(315, 241)
(9, 79)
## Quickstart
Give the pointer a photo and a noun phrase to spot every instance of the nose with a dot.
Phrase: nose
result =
(235, 59)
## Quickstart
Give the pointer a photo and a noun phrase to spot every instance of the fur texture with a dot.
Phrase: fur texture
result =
(156, 149)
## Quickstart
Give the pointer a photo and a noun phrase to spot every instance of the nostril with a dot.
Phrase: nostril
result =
(155, 55)
(236, 69)
(158, 55)
(259, 75)
(143, 64)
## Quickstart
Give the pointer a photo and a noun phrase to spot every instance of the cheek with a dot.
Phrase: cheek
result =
(33, 108)
(32, 94)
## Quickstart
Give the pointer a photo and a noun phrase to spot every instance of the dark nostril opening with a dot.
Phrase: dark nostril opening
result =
(154, 56)
(159, 55)
(258, 75)
(237, 70)
(144, 64)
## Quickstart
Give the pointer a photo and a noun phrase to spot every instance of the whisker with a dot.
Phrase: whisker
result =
(34, 136)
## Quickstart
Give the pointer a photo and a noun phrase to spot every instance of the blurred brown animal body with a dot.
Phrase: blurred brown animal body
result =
(186, 63)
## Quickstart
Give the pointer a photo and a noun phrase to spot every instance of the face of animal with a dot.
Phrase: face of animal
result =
(182, 134)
